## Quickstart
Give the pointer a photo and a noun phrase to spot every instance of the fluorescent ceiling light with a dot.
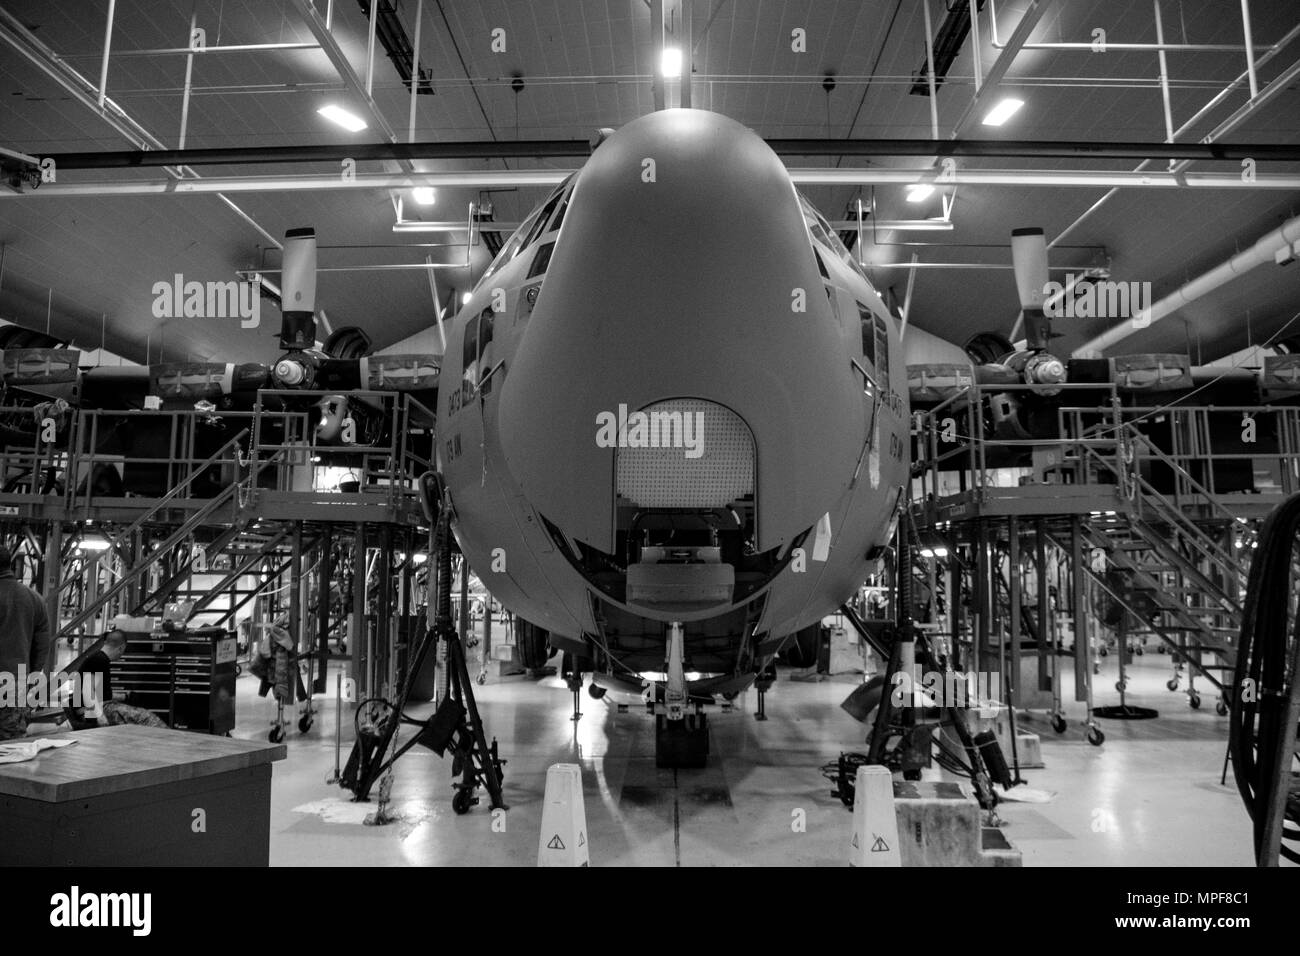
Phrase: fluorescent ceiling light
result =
(424, 195)
(919, 192)
(349, 121)
(465, 298)
(1003, 111)
(671, 65)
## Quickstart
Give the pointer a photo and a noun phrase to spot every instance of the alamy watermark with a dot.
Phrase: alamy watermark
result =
(654, 429)
(208, 300)
(73, 909)
(37, 689)
(960, 689)
(1081, 297)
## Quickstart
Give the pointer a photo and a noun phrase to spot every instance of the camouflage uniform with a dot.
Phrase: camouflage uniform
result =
(116, 713)
(13, 722)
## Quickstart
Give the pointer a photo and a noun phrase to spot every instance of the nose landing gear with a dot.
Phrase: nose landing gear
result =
(681, 727)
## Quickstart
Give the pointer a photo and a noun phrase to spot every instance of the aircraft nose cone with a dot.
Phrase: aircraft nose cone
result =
(683, 271)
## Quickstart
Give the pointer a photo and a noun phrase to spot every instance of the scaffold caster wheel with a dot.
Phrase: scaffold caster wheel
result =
(1141, 650)
(1172, 683)
(1096, 737)
(1221, 709)
(1121, 685)
(1058, 723)
(596, 692)
(481, 679)
(461, 802)
(1104, 652)
(1194, 700)
(276, 735)
(304, 723)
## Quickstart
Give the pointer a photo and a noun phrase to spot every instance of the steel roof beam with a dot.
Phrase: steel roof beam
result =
(566, 148)
(551, 177)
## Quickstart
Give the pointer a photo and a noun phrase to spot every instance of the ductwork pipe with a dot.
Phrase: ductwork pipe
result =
(1263, 251)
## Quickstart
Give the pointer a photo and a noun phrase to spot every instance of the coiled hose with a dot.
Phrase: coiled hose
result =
(1264, 681)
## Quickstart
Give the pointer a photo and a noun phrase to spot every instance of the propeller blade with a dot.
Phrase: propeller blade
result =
(298, 290)
(1029, 259)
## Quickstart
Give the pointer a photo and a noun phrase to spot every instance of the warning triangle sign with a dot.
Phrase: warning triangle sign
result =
(556, 843)
(880, 846)
(855, 840)
(582, 839)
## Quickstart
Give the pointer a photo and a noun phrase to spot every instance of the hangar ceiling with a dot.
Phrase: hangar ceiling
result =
(86, 266)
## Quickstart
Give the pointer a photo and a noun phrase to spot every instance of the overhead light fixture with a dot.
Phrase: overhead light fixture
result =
(94, 542)
(464, 299)
(337, 114)
(424, 195)
(1003, 111)
(671, 63)
(919, 192)
(933, 546)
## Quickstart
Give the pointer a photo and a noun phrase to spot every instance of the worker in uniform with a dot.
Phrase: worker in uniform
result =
(114, 707)
(25, 643)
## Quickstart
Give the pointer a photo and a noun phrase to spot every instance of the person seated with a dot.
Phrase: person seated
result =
(112, 707)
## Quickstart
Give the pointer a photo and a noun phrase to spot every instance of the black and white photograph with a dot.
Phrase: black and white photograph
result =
(651, 434)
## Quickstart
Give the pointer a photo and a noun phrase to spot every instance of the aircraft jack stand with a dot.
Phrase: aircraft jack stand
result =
(763, 685)
(573, 679)
(455, 725)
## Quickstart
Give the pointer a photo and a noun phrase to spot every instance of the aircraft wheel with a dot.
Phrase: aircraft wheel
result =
(531, 644)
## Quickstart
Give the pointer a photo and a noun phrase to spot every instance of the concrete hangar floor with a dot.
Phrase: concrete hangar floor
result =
(1136, 800)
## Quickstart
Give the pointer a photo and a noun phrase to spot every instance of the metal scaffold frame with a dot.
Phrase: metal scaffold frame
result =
(1131, 520)
(227, 517)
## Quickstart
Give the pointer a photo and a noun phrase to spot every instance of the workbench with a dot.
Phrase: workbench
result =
(139, 796)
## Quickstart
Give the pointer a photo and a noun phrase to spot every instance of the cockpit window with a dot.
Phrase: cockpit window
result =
(558, 219)
(539, 224)
(545, 218)
(542, 261)
(512, 245)
(822, 232)
(875, 345)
